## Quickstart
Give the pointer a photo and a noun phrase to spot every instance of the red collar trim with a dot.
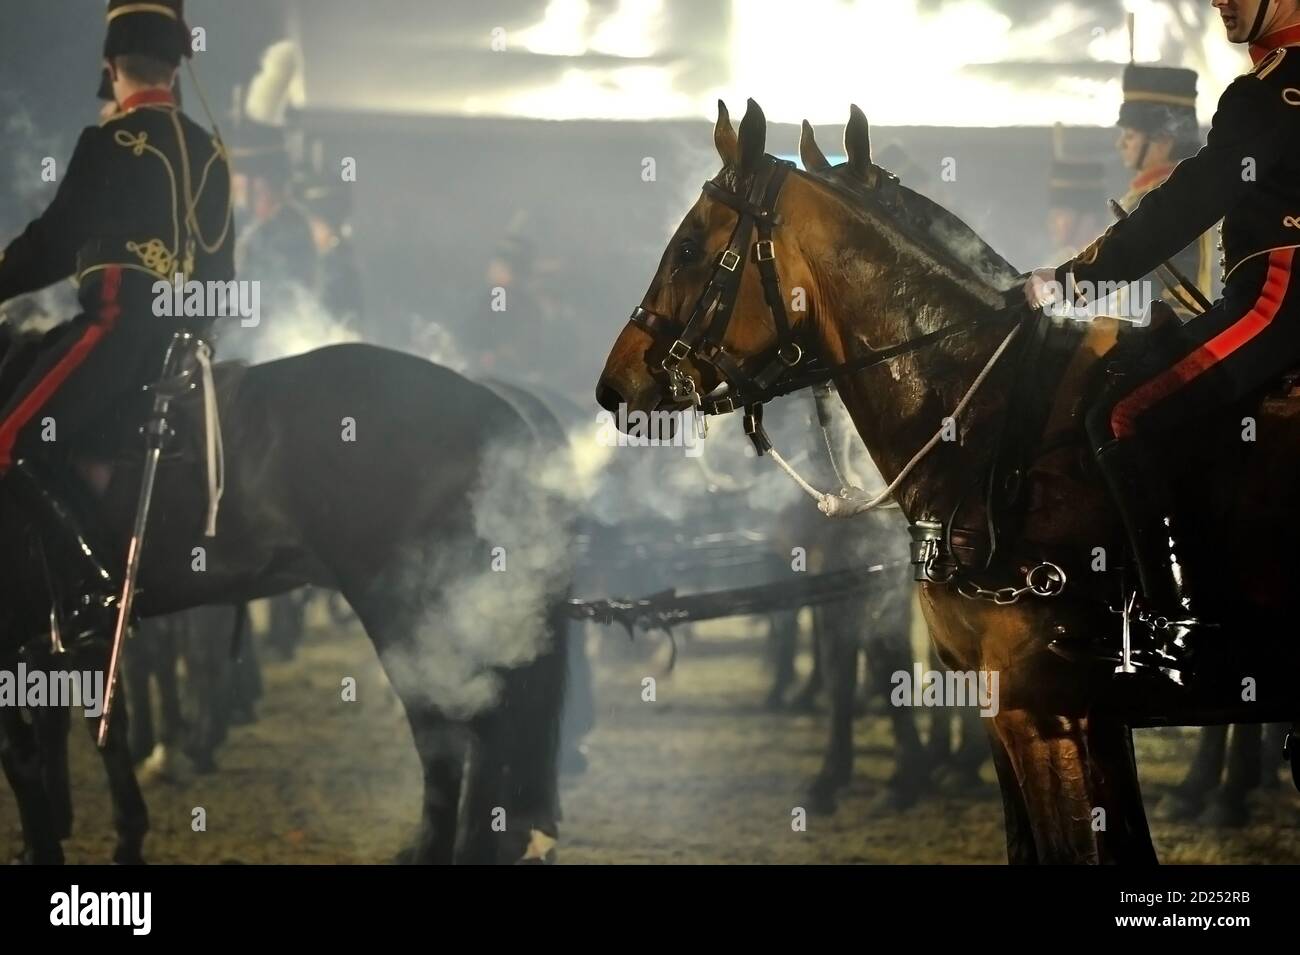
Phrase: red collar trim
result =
(1151, 176)
(149, 98)
(1287, 36)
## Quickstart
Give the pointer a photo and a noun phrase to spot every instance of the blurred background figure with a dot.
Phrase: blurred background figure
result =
(275, 245)
(1076, 202)
(327, 201)
(1157, 131)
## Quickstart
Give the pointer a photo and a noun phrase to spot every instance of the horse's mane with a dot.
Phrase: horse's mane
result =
(942, 234)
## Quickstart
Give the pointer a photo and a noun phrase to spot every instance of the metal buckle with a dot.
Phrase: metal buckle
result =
(725, 406)
(765, 250)
(681, 387)
(790, 362)
(1052, 580)
(730, 260)
(679, 350)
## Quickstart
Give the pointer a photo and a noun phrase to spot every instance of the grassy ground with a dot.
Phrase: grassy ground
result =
(702, 774)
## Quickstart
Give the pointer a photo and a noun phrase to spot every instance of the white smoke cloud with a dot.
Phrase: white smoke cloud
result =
(479, 618)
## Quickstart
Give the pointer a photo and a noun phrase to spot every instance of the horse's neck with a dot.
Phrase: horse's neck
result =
(900, 406)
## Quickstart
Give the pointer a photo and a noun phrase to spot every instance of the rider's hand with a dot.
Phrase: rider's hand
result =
(1041, 288)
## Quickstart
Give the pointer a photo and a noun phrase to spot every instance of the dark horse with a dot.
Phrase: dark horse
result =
(416, 494)
(880, 266)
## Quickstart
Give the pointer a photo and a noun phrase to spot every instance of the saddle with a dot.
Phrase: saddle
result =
(1041, 493)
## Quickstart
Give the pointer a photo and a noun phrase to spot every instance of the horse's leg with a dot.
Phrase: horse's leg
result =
(1227, 804)
(1187, 799)
(245, 686)
(130, 814)
(890, 653)
(1020, 835)
(51, 724)
(137, 668)
(806, 699)
(938, 748)
(209, 680)
(1271, 758)
(839, 644)
(580, 702)
(391, 622)
(971, 752)
(483, 807)
(167, 675)
(21, 761)
(1079, 782)
(533, 706)
(783, 643)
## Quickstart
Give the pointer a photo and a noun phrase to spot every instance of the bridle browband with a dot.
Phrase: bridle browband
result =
(783, 369)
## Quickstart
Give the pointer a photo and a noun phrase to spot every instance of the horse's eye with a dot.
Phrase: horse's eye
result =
(688, 252)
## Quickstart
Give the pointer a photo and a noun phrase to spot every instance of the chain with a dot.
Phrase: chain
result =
(1043, 580)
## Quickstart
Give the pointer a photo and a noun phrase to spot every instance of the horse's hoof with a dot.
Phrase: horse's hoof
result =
(159, 766)
(128, 855)
(30, 856)
(541, 849)
(573, 762)
(1225, 812)
(201, 762)
(955, 780)
(1179, 806)
(893, 799)
(405, 856)
(821, 797)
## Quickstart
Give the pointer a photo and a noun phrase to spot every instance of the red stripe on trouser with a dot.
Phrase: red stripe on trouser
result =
(1123, 418)
(105, 318)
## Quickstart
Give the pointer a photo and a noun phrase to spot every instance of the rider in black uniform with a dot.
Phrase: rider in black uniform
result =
(145, 197)
(1248, 174)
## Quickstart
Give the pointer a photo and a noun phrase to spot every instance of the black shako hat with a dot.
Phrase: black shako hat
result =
(156, 29)
(1160, 100)
(1077, 184)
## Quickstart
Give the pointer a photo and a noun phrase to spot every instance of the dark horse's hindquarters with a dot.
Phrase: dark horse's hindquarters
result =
(420, 496)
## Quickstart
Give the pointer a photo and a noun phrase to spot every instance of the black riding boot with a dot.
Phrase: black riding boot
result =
(1160, 547)
(87, 606)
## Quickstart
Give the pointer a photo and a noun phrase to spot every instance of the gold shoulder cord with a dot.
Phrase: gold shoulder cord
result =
(219, 151)
(154, 254)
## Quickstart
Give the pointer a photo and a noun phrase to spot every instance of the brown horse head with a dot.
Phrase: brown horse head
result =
(633, 375)
(862, 264)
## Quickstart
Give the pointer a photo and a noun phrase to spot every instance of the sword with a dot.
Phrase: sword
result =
(1171, 276)
(173, 383)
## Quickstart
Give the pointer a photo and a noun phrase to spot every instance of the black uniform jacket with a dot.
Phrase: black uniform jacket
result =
(1247, 174)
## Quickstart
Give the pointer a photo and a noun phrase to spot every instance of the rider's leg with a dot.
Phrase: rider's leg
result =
(1246, 340)
(83, 371)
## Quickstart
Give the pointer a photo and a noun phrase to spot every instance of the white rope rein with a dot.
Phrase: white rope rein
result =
(852, 501)
(214, 451)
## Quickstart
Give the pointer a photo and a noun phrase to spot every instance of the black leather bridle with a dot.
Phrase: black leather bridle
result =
(782, 369)
(701, 337)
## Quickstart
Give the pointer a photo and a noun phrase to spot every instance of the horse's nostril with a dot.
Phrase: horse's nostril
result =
(608, 397)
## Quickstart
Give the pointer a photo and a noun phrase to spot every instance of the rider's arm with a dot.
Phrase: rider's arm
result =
(47, 250)
(1249, 132)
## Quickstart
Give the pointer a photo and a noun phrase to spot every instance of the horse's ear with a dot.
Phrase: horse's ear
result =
(857, 143)
(753, 137)
(810, 154)
(724, 138)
